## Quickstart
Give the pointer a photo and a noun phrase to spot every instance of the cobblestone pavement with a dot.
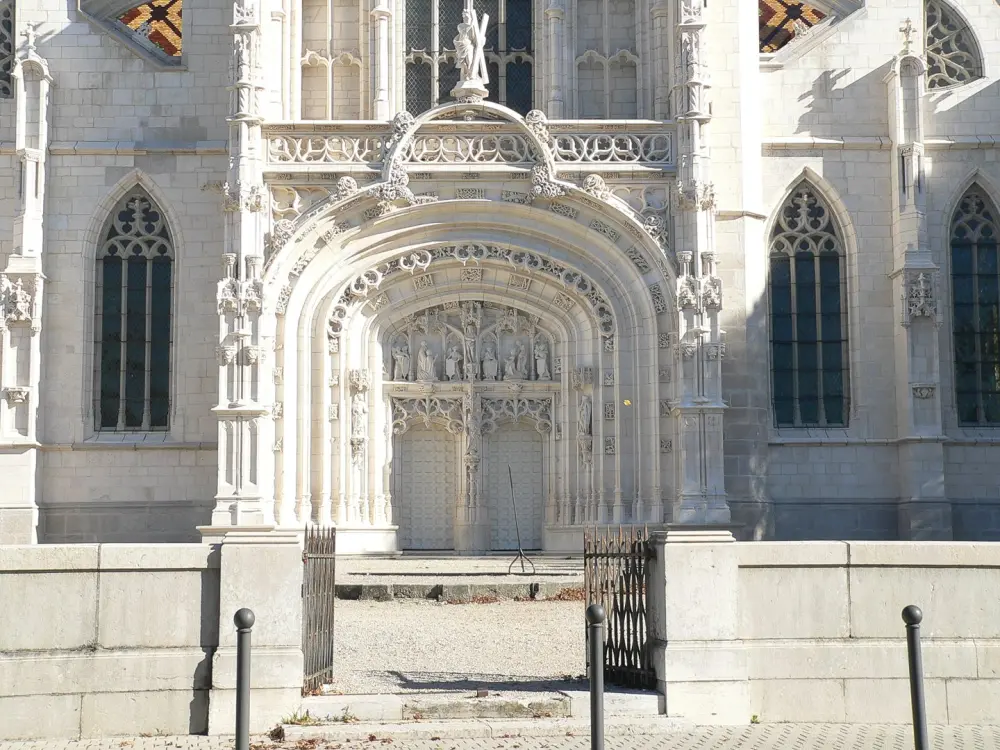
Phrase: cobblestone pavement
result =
(759, 737)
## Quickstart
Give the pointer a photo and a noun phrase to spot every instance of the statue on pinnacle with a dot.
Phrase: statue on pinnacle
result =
(470, 57)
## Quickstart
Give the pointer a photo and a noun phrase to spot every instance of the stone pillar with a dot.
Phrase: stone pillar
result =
(693, 600)
(21, 291)
(260, 569)
(382, 21)
(555, 17)
(246, 386)
(924, 512)
(660, 44)
(360, 503)
(697, 405)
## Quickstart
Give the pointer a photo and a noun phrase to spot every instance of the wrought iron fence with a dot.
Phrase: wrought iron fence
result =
(318, 597)
(616, 576)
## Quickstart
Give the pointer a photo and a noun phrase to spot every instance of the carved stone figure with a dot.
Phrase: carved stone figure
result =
(359, 415)
(425, 363)
(470, 56)
(522, 361)
(16, 302)
(453, 365)
(401, 357)
(470, 356)
(542, 361)
(490, 364)
(584, 416)
(510, 371)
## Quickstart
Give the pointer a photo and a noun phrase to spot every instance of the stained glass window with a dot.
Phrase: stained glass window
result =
(431, 27)
(6, 48)
(781, 20)
(975, 278)
(133, 318)
(809, 366)
(953, 55)
(158, 21)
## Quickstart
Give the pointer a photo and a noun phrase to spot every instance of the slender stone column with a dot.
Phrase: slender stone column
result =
(382, 20)
(924, 511)
(697, 405)
(555, 17)
(21, 289)
(246, 386)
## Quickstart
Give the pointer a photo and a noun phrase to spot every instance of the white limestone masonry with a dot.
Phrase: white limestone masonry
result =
(380, 318)
(812, 631)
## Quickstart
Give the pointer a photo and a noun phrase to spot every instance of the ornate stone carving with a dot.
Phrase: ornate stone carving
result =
(16, 302)
(924, 391)
(664, 375)
(401, 125)
(563, 210)
(664, 407)
(240, 197)
(225, 354)
(687, 349)
(563, 301)
(663, 340)
(278, 410)
(543, 184)
(609, 377)
(666, 446)
(606, 229)
(538, 124)
(919, 299)
(694, 196)
(658, 298)
(711, 293)
(333, 413)
(610, 446)
(472, 275)
(638, 259)
(251, 355)
(585, 444)
(715, 351)
(537, 410)
(284, 294)
(687, 293)
(609, 411)
(595, 186)
(584, 415)
(426, 409)
(656, 227)
(426, 364)
(279, 236)
(16, 394)
(581, 377)
(359, 380)
(401, 362)
(557, 365)
(609, 344)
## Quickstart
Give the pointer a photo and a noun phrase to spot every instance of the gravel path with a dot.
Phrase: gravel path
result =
(420, 646)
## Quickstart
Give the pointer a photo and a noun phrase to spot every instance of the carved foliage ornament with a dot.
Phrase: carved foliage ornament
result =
(919, 298)
(16, 302)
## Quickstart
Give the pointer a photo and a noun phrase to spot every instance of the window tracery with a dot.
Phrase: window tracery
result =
(781, 20)
(133, 318)
(809, 358)
(953, 55)
(975, 274)
(6, 48)
(431, 74)
(157, 22)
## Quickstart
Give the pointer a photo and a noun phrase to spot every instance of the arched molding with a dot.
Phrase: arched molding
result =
(92, 240)
(405, 127)
(845, 227)
(976, 176)
(429, 410)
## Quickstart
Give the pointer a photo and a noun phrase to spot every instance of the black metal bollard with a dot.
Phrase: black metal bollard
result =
(595, 619)
(912, 617)
(244, 620)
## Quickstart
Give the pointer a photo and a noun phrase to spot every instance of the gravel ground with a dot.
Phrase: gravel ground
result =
(420, 646)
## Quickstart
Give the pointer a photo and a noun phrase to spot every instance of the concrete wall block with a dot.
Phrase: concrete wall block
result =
(973, 701)
(104, 671)
(270, 706)
(872, 701)
(159, 557)
(75, 625)
(793, 602)
(151, 712)
(40, 717)
(804, 700)
(952, 600)
(28, 558)
(130, 603)
(272, 668)
(917, 555)
(709, 702)
(704, 663)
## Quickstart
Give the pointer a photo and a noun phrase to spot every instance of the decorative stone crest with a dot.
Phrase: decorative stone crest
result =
(666, 446)
(664, 407)
(610, 446)
(16, 394)
(609, 377)
(16, 302)
(538, 124)
(401, 124)
(543, 184)
(609, 411)
(595, 186)
(919, 297)
(924, 391)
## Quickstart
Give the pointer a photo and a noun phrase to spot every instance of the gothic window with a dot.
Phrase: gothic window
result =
(975, 277)
(133, 318)
(431, 27)
(157, 24)
(6, 48)
(809, 361)
(780, 20)
(953, 55)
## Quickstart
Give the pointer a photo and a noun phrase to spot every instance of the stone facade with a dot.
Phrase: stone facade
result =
(587, 290)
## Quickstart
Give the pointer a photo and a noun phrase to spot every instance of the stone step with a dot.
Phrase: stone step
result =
(461, 592)
(614, 726)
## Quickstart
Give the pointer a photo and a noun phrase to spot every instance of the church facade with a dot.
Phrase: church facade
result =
(474, 275)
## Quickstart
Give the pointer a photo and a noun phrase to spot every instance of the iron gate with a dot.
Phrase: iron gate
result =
(616, 576)
(318, 597)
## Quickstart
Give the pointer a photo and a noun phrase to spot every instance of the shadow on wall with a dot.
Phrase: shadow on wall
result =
(834, 111)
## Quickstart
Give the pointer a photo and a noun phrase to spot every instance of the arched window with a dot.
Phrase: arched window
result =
(6, 48)
(430, 58)
(975, 278)
(953, 55)
(809, 362)
(133, 318)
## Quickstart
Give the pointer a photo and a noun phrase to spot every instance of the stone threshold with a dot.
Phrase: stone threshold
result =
(570, 590)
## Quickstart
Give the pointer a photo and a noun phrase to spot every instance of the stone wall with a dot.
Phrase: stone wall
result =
(812, 631)
(125, 639)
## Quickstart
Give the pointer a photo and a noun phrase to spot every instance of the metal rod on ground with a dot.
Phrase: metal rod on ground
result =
(912, 617)
(244, 620)
(595, 619)
(517, 530)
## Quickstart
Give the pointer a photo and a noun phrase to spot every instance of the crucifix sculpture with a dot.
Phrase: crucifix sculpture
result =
(907, 30)
(470, 55)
